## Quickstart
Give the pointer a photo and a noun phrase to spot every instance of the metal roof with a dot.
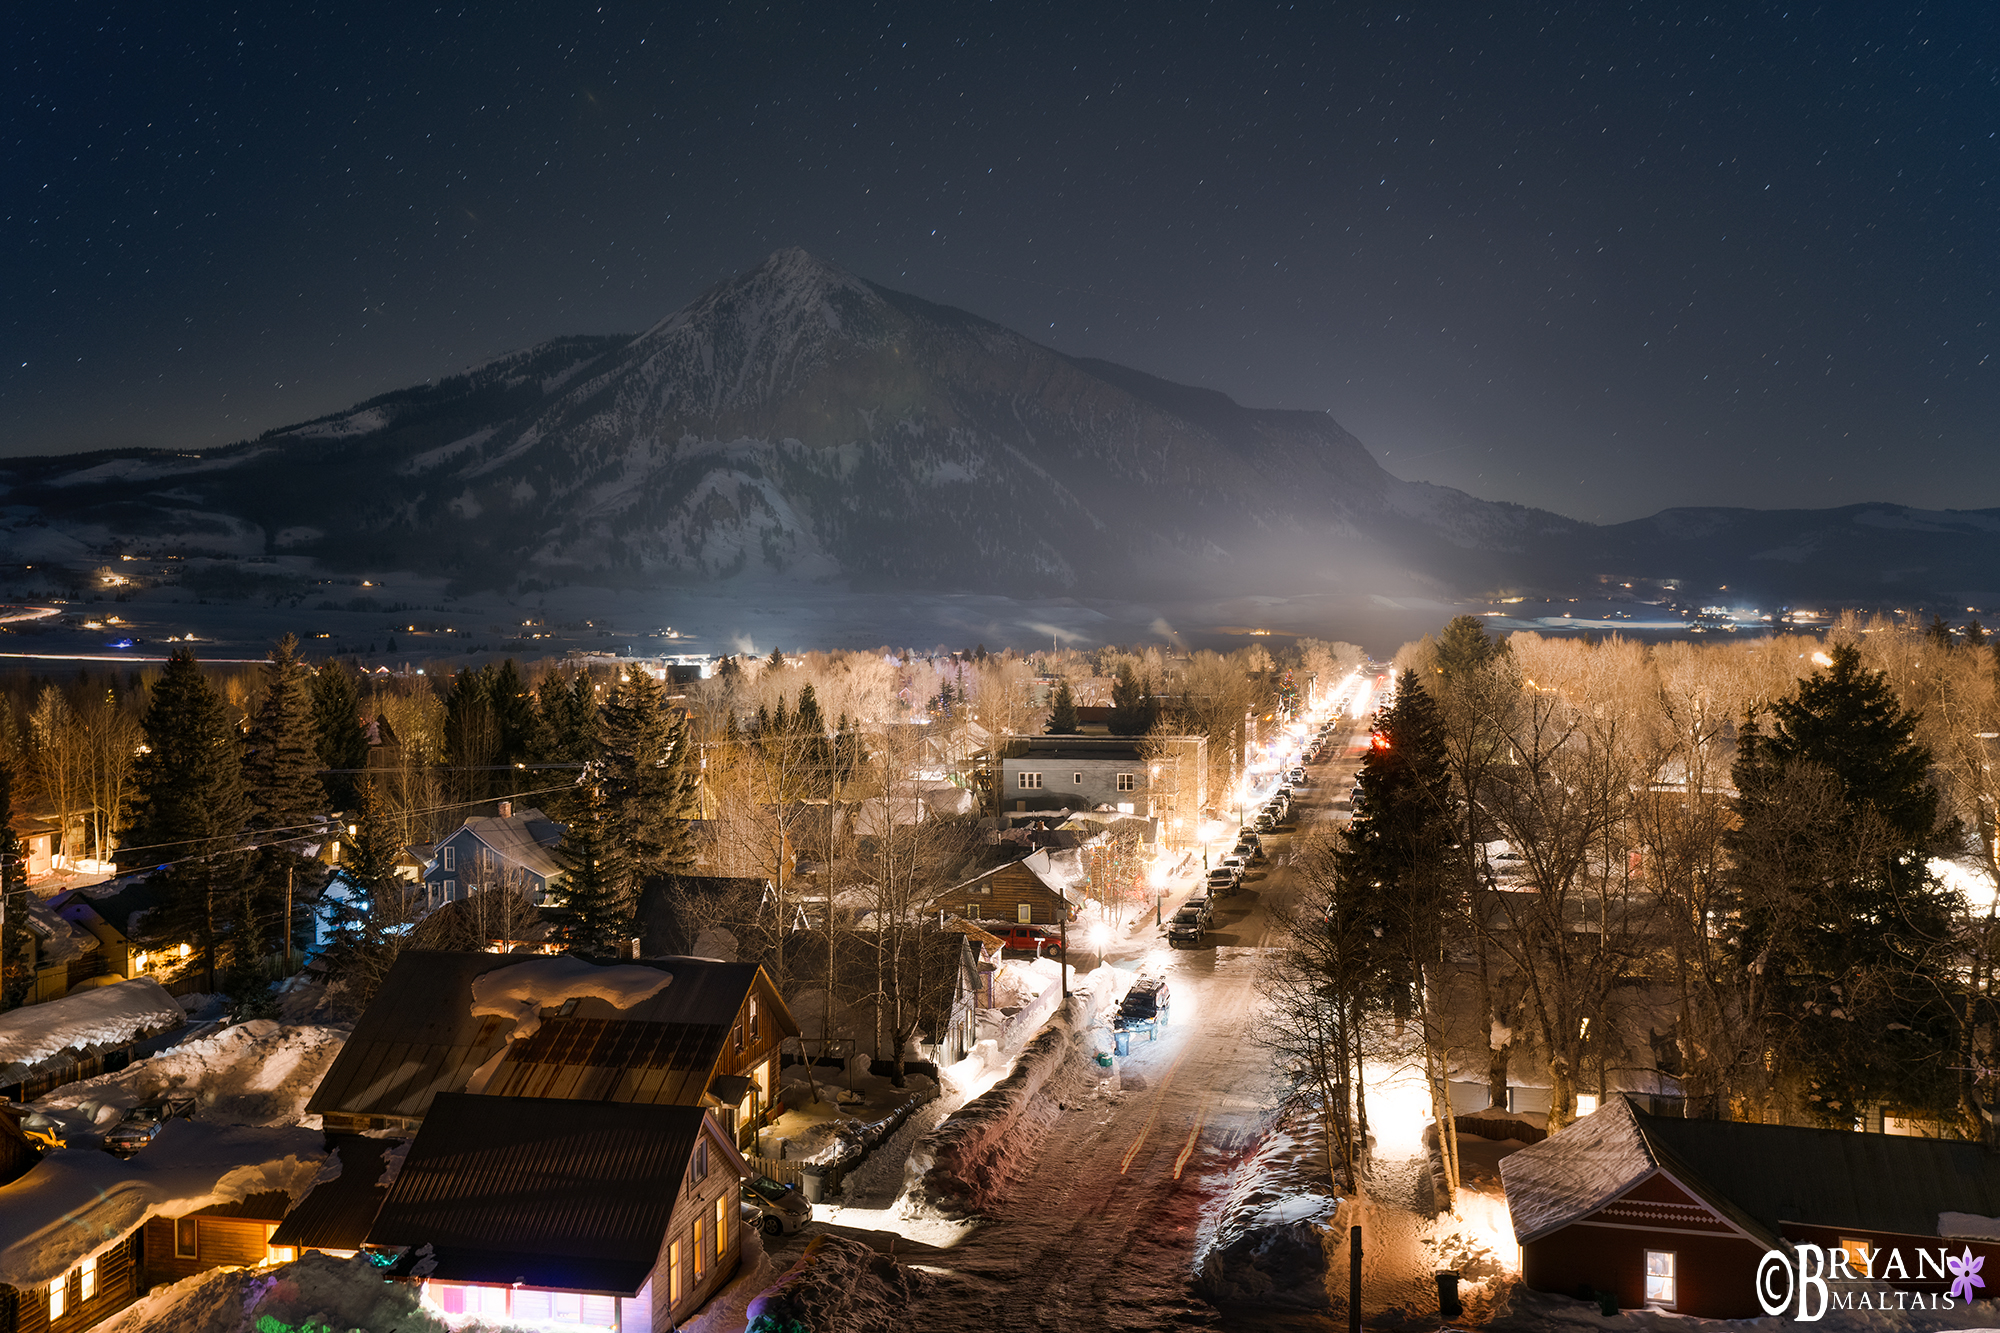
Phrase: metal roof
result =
(526, 839)
(336, 1214)
(562, 1195)
(419, 1038)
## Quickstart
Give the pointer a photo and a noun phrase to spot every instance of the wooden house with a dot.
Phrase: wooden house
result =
(235, 1234)
(708, 1035)
(1678, 1214)
(1023, 891)
(512, 849)
(593, 1214)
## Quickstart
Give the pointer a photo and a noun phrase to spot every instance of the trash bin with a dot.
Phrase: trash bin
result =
(1607, 1304)
(1121, 1041)
(1104, 1059)
(812, 1181)
(1448, 1302)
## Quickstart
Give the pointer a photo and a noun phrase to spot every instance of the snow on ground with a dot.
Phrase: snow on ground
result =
(1269, 1238)
(99, 1018)
(843, 1286)
(255, 1073)
(315, 1292)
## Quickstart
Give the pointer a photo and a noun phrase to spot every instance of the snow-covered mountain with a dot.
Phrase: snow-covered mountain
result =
(798, 422)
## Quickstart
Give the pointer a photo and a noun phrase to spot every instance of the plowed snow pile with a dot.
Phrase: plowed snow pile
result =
(842, 1286)
(1270, 1240)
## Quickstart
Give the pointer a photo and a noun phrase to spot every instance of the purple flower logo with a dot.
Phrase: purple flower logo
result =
(1965, 1273)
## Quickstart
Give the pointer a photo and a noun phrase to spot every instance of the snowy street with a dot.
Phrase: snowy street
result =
(1100, 1232)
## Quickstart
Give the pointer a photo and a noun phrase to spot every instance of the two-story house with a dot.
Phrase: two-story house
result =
(513, 849)
(1157, 777)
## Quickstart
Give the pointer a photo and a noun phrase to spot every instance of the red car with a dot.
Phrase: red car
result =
(1027, 938)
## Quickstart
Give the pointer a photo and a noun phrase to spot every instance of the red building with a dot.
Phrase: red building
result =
(1678, 1214)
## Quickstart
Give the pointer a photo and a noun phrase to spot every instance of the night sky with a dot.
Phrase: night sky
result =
(1594, 258)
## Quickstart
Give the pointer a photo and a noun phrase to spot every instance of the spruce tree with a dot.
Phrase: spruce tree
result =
(17, 942)
(187, 814)
(370, 930)
(812, 756)
(594, 904)
(513, 714)
(1844, 934)
(281, 765)
(471, 734)
(1131, 703)
(342, 739)
(648, 773)
(1062, 711)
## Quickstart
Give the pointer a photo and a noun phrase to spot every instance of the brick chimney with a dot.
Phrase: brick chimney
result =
(506, 809)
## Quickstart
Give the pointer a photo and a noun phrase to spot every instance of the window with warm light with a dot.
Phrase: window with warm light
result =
(1586, 1103)
(721, 1227)
(700, 1254)
(1860, 1256)
(187, 1238)
(58, 1297)
(674, 1273)
(86, 1273)
(1662, 1280)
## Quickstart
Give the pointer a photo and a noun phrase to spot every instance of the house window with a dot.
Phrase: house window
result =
(1031, 781)
(1661, 1280)
(1076, 779)
(739, 1034)
(58, 1297)
(721, 1228)
(187, 1236)
(1024, 912)
(1586, 1103)
(87, 1273)
(674, 1283)
(1859, 1254)
(1128, 782)
(753, 1018)
(700, 1255)
(448, 858)
(450, 889)
(701, 1160)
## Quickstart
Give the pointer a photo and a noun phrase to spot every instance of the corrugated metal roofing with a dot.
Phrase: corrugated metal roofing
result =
(419, 1038)
(571, 1196)
(336, 1214)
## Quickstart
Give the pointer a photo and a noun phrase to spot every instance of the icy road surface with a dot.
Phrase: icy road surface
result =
(1100, 1233)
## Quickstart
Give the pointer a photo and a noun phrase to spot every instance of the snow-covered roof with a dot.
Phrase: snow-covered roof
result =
(1575, 1171)
(59, 941)
(78, 1201)
(526, 839)
(95, 1019)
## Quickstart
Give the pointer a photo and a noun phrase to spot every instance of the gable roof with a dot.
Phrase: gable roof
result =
(420, 1037)
(336, 1214)
(1036, 863)
(1757, 1176)
(570, 1196)
(526, 839)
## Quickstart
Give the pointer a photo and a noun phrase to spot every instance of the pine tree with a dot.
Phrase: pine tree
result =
(812, 756)
(1131, 703)
(1464, 647)
(17, 942)
(1844, 939)
(282, 763)
(343, 740)
(513, 714)
(648, 773)
(1062, 711)
(187, 814)
(471, 733)
(595, 897)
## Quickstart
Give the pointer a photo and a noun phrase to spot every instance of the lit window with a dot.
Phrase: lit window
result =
(58, 1297)
(187, 1235)
(1076, 779)
(674, 1273)
(276, 1254)
(1024, 913)
(87, 1272)
(1586, 1103)
(721, 1227)
(700, 1255)
(1860, 1255)
(1128, 782)
(1031, 781)
(1660, 1280)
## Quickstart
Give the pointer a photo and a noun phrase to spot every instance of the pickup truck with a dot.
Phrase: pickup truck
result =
(1186, 927)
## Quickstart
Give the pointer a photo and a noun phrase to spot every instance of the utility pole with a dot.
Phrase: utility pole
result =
(1354, 1280)
(288, 920)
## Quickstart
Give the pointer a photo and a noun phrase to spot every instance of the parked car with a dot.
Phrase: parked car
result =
(776, 1209)
(1249, 846)
(1029, 939)
(1186, 927)
(1221, 882)
(1201, 903)
(1147, 1002)
(1266, 821)
(1297, 777)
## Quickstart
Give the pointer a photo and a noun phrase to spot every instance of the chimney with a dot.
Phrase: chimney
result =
(506, 809)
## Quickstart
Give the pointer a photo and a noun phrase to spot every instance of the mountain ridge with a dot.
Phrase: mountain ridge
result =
(803, 423)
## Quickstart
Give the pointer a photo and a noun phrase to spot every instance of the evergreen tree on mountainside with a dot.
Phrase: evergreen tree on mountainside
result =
(342, 740)
(1845, 935)
(17, 942)
(1062, 711)
(187, 812)
(1132, 710)
(595, 898)
(1394, 865)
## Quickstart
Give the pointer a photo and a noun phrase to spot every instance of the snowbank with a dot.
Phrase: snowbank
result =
(1271, 1238)
(963, 1166)
(77, 1201)
(522, 991)
(96, 1019)
(316, 1292)
(1968, 1226)
(256, 1073)
(842, 1286)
